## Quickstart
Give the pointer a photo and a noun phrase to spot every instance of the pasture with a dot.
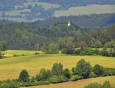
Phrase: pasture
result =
(86, 10)
(11, 67)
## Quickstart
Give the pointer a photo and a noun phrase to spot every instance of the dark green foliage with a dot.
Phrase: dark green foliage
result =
(67, 73)
(57, 69)
(0, 55)
(63, 51)
(70, 48)
(83, 68)
(98, 70)
(109, 71)
(24, 76)
(51, 52)
(39, 77)
(2, 46)
(36, 53)
(45, 73)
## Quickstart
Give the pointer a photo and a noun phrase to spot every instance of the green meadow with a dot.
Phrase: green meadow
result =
(86, 10)
(10, 67)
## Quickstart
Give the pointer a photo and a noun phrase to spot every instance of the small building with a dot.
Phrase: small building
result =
(69, 23)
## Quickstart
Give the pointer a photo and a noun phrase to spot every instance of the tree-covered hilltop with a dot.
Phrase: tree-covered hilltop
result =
(26, 36)
(101, 20)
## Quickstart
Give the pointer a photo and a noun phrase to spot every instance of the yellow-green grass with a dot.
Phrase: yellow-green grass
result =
(80, 83)
(20, 52)
(45, 5)
(86, 10)
(12, 66)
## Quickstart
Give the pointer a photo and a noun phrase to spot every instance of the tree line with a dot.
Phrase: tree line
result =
(82, 70)
(92, 20)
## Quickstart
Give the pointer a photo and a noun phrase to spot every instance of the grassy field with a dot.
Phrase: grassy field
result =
(86, 10)
(80, 83)
(11, 67)
(45, 5)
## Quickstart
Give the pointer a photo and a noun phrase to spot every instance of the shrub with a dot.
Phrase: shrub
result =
(36, 53)
(98, 70)
(76, 77)
(39, 77)
(63, 51)
(57, 69)
(15, 55)
(56, 79)
(67, 73)
(52, 52)
(92, 75)
(24, 76)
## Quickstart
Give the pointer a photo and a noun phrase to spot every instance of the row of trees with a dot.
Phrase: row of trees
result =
(57, 74)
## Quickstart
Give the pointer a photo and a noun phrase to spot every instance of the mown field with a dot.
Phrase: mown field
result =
(86, 10)
(10, 67)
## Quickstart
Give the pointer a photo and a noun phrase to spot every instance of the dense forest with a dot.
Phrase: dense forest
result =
(26, 36)
(100, 20)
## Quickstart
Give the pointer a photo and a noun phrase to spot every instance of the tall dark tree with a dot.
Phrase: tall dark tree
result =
(24, 76)
(83, 68)
(57, 69)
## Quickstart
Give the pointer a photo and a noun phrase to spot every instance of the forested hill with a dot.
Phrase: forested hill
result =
(101, 20)
(26, 36)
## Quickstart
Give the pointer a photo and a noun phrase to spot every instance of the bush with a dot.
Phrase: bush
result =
(92, 75)
(76, 77)
(24, 76)
(15, 55)
(36, 53)
(52, 52)
(56, 79)
(39, 77)
(98, 70)
(67, 73)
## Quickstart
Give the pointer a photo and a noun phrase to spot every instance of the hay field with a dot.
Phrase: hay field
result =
(86, 10)
(11, 67)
